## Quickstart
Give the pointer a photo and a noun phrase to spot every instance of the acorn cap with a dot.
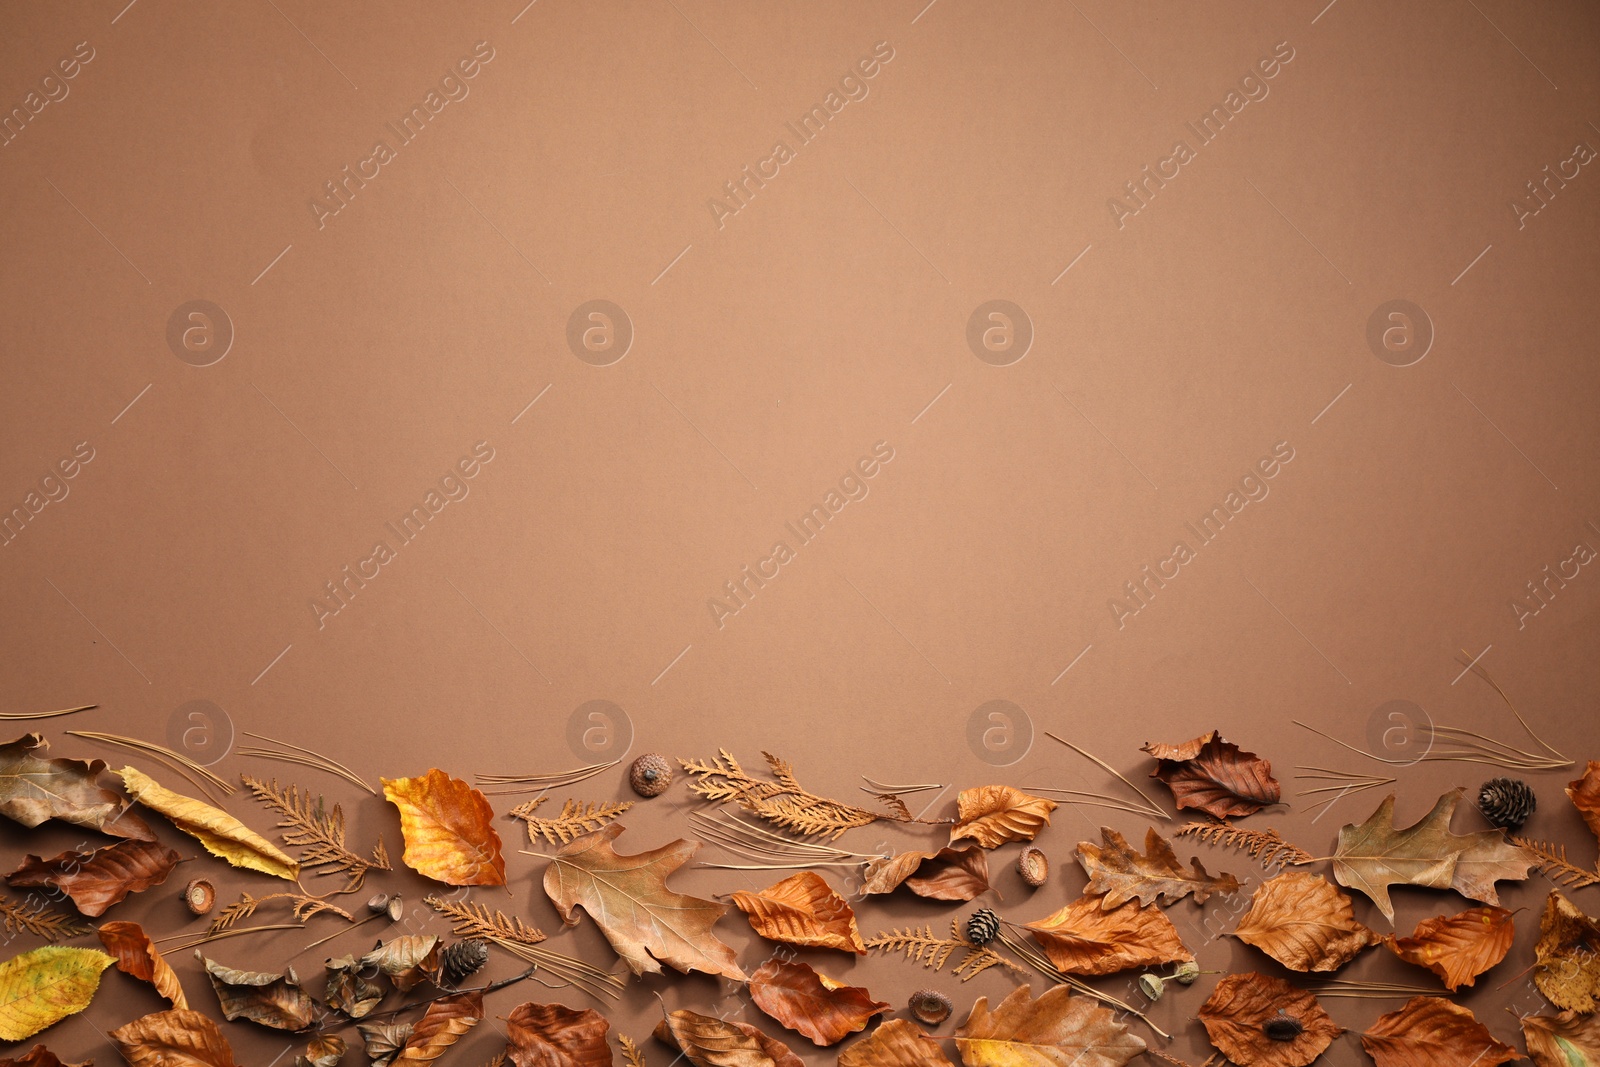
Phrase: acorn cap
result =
(200, 895)
(650, 775)
(930, 1006)
(1034, 866)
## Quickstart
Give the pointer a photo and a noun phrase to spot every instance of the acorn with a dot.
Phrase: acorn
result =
(1283, 1027)
(463, 958)
(1034, 866)
(200, 895)
(983, 926)
(1507, 802)
(650, 775)
(1185, 973)
(930, 1006)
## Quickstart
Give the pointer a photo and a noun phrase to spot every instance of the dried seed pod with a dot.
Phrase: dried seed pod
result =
(650, 775)
(1283, 1027)
(1186, 972)
(378, 904)
(1152, 986)
(930, 1006)
(200, 895)
(1033, 866)
(983, 926)
(396, 908)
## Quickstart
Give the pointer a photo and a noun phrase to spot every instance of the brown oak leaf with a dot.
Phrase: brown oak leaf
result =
(1585, 796)
(554, 1035)
(1057, 1029)
(948, 874)
(1567, 1039)
(34, 789)
(627, 897)
(176, 1038)
(448, 828)
(1237, 1010)
(1567, 956)
(1304, 923)
(1215, 776)
(1083, 938)
(802, 910)
(712, 1042)
(895, 1043)
(137, 955)
(274, 1000)
(1458, 947)
(1432, 1032)
(1119, 874)
(440, 1027)
(991, 815)
(39, 1056)
(96, 880)
(804, 1001)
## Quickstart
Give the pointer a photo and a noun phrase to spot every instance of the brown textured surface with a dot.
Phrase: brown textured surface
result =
(1227, 318)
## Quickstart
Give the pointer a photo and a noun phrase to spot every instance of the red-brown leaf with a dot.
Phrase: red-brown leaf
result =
(176, 1038)
(1237, 1010)
(1432, 1032)
(137, 955)
(1458, 947)
(799, 998)
(554, 1035)
(1215, 776)
(97, 880)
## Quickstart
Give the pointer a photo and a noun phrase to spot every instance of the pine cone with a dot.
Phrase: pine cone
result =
(461, 959)
(983, 926)
(1507, 802)
(650, 775)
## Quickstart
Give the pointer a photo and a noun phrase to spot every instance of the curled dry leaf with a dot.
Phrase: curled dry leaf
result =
(273, 1000)
(441, 1026)
(1566, 964)
(323, 1050)
(1304, 923)
(1568, 1039)
(1083, 938)
(137, 955)
(948, 874)
(1057, 1028)
(405, 960)
(1458, 947)
(802, 910)
(350, 992)
(34, 789)
(448, 828)
(220, 833)
(804, 1001)
(96, 880)
(896, 1043)
(1215, 776)
(712, 1042)
(1118, 874)
(627, 897)
(1432, 1032)
(176, 1038)
(554, 1035)
(991, 815)
(383, 1041)
(44, 986)
(39, 1056)
(1585, 796)
(1239, 1008)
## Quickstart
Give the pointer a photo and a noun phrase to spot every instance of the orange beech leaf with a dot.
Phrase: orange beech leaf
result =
(176, 1038)
(991, 815)
(440, 1027)
(1056, 1030)
(554, 1035)
(805, 1002)
(895, 1043)
(1118, 874)
(1084, 938)
(34, 789)
(1585, 796)
(1215, 776)
(712, 1042)
(448, 830)
(1304, 923)
(138, 956)
(96, 880)
(948, 874)
(1458, 947)
(39, 1056)
(1566, 968)
(1432, 1032)
(802, 910)
(1237, 1013)
(1568, 1039)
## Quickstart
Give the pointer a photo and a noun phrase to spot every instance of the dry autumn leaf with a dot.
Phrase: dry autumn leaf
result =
(1057, 1029)
(1304, 923)
(1118, 874)
(948, 874)
(991, 815)
(895, 1043)
(44, 986)
(805, 1002)
(176, 1038)
(34, 789)
(448, 829)
(1585, 796)
(96, 880)
(1215, 776)
(220, 833)
(1568, 1039)
(405, 960)
(1566, 961)
(627, 897)
(273, 1000)
(1085, 939)
(39, 1056)
(323, 1050)
(802, 910)
(712, 1042)
(138, 956)
(1432, 1032)
(554, 1035)
(348, 990)
(1237, 1011)
(441, 1026)
(1458, 947)
(382, 1042)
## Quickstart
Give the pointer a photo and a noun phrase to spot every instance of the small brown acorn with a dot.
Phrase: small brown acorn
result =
(1034, 866)
(650, 775)
(930, 1006)
(200, 896)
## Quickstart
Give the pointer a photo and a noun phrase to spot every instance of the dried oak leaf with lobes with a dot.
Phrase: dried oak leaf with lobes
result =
(1241, 1005)
(1083, 938)
(273, 1000)
(896, 1043)
(44, 986)
(34, 789)
(96, 880)
(1215, 776)
(1057, 1029)
(1566, 965)
(220, 833)
(1304, 923)
(1568, 1039)
(991, 815)
(448, 829)
(1432, 1032)
(802, 910)
(806, 1002)
(137, 955)
(1458, 947)
(948, 874)
(712, 1042)
(554, 1035)
(627, 897)
(1118, 874)
(177, 1038)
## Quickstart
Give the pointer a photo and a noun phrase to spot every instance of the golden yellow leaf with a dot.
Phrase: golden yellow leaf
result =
(42, 987)
(448, 829)
(1056, 1030)
(991, 815)
(219, 832)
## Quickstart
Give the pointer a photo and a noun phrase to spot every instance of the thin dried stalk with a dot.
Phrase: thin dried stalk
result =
(879, 789)
(340, 932)
(1154, 809)
(238, 931)
(1099, 800)
(1264, 846)
(530, 783)
(1041, 963)
(1553, 864)
(779, 851)
(15, 715)
(1347, 782)
(1485, 750)
(1483, 673)
(783, 802)
(306, 757)
(52, 926)
(318, 831)
(574, 821)
(1340, 987)
(176, 760)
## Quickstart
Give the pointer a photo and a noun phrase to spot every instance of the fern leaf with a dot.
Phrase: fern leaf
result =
(40, 922)
(1553, 864)
(474, 919)
(574, 821)
(1264, 846)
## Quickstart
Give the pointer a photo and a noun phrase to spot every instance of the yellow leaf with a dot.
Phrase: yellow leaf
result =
(42, 987)
(219, 832)
(447, 828)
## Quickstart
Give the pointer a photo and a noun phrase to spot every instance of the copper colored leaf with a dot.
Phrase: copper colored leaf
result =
(138, 956)
(1083, 938)
(405, 960)
(383, 1041)
(323, 1050)
(802, 910)
(1118, 874)
(96, 880)
(1304, 923)
(896, 1043)
(40, 988)
(1242, 1004)
(39, 1056)
(991, 815)
(273, 1000)
(34, 789)
(554, 1035)
(220, 833)
(1215, 776)
(1058, 1030)
(1432, 1032)
(176, 1038)
(448, 829)
(440, 1027)
(712, 1042)
(948, 874)
(1568, 1039)
(800, 999)
(1458, 947)
(1585, 796)
(1567, 956)
(627, 897)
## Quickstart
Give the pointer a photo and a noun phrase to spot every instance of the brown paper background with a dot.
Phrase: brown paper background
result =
(829, 314)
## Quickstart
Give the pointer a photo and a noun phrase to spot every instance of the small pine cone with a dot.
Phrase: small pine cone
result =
(1033, 866)
(983, 926)
(461, 959)
(1507, 802)
(650, 775)
(930, 1006)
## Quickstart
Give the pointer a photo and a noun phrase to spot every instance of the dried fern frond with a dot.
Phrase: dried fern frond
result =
(630, 1051)
(52, 926)
(1553, 864)
(783, 801)
(317, 830)
(473, 919)
(1265, 846)
(302, 904)
(575, 820)
(920, 946)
